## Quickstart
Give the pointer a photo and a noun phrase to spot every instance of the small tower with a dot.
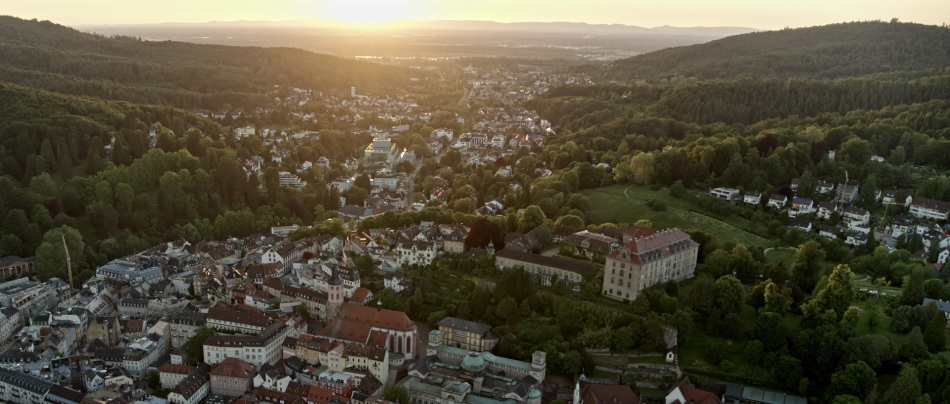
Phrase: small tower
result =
(435, 341)
(538, 365)
(491, 247)
(334, 296)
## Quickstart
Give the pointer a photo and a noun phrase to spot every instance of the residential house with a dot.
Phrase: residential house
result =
(726, 194)
(800, 224)
(801, 206)
(777, 201)
(752, 198)
(925, 208)
(825, 209)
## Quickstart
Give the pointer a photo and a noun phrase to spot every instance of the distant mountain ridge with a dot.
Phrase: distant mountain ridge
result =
(56, 58)
(474, 25)
(829, 51)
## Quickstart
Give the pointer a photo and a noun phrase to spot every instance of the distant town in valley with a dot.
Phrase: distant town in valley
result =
(481, 213)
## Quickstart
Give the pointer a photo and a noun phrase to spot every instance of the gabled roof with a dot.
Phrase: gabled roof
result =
(608, 394)
(233, 367)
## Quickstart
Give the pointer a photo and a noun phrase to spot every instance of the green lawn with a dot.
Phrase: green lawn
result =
(783, 255)
(612, 206)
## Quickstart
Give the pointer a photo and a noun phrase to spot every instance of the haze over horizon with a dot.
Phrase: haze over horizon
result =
(678, 13)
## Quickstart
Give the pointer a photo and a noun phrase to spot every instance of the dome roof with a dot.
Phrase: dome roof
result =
(473, 362)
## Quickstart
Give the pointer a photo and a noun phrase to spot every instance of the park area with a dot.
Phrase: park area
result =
(628, 204)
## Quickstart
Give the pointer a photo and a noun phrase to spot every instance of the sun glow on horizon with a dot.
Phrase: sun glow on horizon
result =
(369, 13)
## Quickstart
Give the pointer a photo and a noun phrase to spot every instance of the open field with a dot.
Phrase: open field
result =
(614, 206)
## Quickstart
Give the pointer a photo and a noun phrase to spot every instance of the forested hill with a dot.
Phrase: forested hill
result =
(830, 51)
(56, 58)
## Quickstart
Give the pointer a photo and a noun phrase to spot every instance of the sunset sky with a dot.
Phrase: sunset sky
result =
(745, 13)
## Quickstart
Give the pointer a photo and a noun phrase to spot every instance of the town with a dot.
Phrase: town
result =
(484, 231)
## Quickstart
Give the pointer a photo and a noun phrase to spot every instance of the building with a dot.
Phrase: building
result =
(648, 260)
(10, 322)
(415, 252)
(341, 356)
(26, 296)
(232, 377)
(726, 194)
(397, 282)
(777, 201)
(185, 325)
(257, 349)
(686, 392)
(449, 374)
(381, 150)
(589, 393)
(467, 335)
(19, 387)
(929, 209)
(545, 270)
(192, 389)
(139, 354)
(15, 267)
(752, 198)
(170, 375)
(752, 395)
(237, 321)
(390, 329)
(130, 272)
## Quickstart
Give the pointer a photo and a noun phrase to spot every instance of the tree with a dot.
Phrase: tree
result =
(856, 379)
(807, 266)
(914, 347)
(835, 293)
(770, 329)
(531, 217)
(846, 399)
(729, 294)
(935, 335)
(777, 300)
(396, 394)
(643, 167)
(195, 346)
(905, 387)
(913, 291)
(154, 380)
(507, 310)
(875, 350)
(51, 257)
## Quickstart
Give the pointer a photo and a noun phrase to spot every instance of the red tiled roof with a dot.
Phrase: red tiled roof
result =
(609, 394)
(650, 247)
(233, 367)
(355, 322)
(178, 369)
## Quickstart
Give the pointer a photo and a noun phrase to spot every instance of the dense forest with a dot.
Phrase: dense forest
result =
(57, 58)
(754, 112)
(825, 52)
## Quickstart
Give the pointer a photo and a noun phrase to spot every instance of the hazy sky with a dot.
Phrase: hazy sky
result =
(764, 14)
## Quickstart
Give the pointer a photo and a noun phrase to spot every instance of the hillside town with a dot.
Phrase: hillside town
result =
(458, 255)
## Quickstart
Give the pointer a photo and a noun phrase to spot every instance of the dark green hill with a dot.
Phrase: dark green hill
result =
(830, 51)
(57, 58)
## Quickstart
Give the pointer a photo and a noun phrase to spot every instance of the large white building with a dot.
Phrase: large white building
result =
(257, 350)
(26, 296)
(651, 258)
(930, 209)
(127, 271)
